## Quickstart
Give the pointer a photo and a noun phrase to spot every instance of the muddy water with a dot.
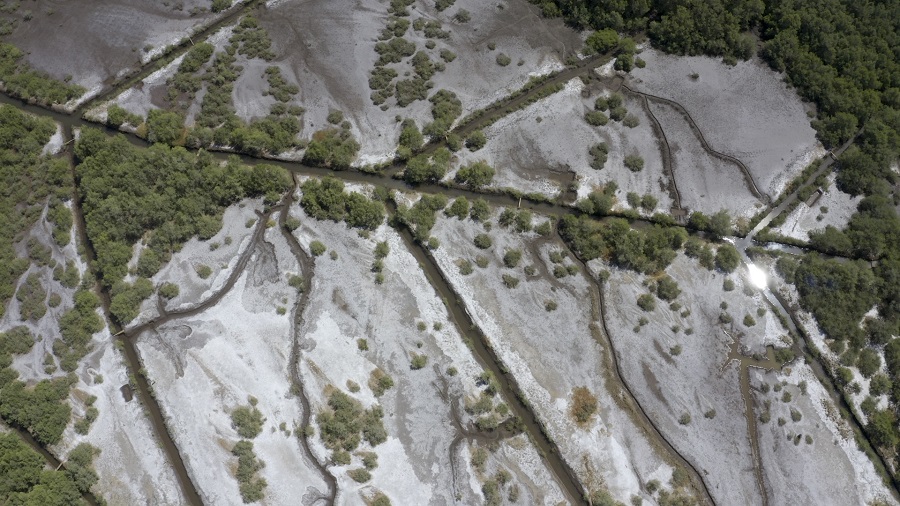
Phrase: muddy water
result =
(488, 359)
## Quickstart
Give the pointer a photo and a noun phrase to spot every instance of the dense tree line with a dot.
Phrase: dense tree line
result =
(163, 194)
(647, 250)
(28, 481)
(326, 199)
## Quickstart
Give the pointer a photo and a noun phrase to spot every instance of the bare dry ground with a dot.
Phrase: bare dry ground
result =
(427, 457)
(833, 208)
(328, 49)
(112, 36)
(706, 183)
(744, 110)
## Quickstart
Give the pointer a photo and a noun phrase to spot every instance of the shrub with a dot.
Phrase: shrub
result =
(480, 210)
(749, 321)
(503, 60)
(168, 290)
(599, 154)
(475, 174)
(550, 305)
(510, 281)
(634, 163)
(631, 121)
(684, 419)
(728, 285)
(476, 140)
(584, 404)
(511, 258)
(220, 5)
(418, 361)
(360, 475)
(617, 113)
(596, 118)
(727, 258)
(462, 16)
(317, 248)
(646, 302)
(483, 241)
(247, 421)
(667, 288)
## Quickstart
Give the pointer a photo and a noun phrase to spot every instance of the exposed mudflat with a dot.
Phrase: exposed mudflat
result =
(551, 352)
(542, 147)
(811, 460)
(420, 462)
(205, 366)
(93, 43)
(745, 111)
(699, 377)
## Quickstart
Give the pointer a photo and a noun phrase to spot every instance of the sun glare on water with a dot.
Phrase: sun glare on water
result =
(757, 276)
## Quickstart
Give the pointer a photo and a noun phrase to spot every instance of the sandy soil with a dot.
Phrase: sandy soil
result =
(697, 379)
(113, 36)
(550, 353)
(804, 219)
(206, 365)
(415, 464)
(535, 148)
(706, 183)
(745, 111)
(829, 468)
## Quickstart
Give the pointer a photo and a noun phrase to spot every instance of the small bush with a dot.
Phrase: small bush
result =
(204, 271)
(483, 241)
(728, 285)
(360, 475)
(247, 421)
(584, 404)
(596, 118)
(550, 305)
(503, 60)
(418, 361)
(476, 140)
(510, 281)
(512, 257)
(646, 302)
(684, 419)
(749, 321)
(634, 163)
(317, 248)
(631, 121)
